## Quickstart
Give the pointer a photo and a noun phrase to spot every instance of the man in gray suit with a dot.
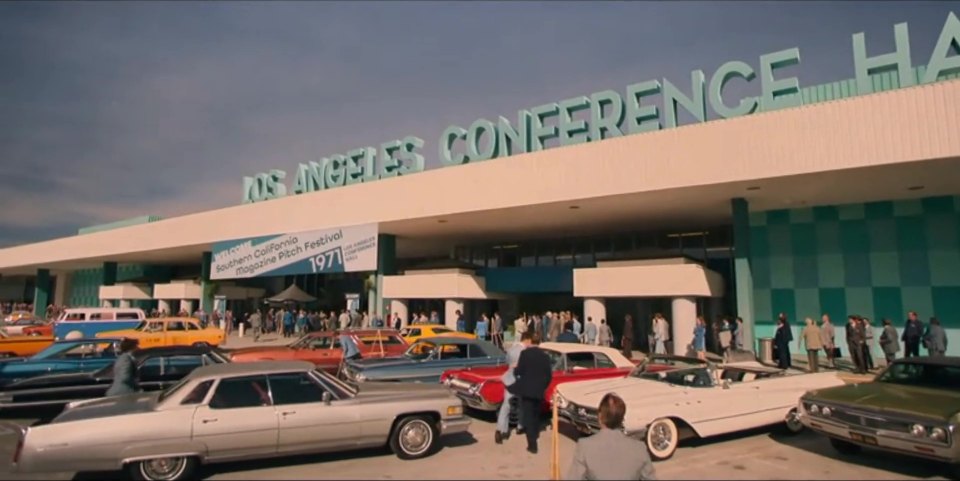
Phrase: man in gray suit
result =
(611, 454)
(935, 339)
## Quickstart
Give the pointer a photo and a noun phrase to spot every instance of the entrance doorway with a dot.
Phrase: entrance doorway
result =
(642, 310)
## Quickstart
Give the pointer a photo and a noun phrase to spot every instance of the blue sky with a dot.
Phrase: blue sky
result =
(118, 109)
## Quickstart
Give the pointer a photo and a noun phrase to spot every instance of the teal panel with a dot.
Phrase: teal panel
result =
(758, 219)
(911, 234)
(878, 210)
(778, 217)
(833, 302)
(856, 269)
(828, 237)
(780, 239)
(946, 306)
(830, 270)
(883, 235)
(781, 272)
(918, 299)
(805, 272)
(851, 212)
(854, 237)
(939, 205)
(800, 216)
(759, 244)
(914, 268)
(907, 207)
(944, 267)
(887, 304)
(942, 231)
(885, 269)
(804, 239)
(860, 301)
(783, 300)
(762, 305)
(825, 213)
(808, 303)
(761, 272)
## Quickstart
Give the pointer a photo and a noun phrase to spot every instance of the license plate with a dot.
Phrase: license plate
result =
(863, 438)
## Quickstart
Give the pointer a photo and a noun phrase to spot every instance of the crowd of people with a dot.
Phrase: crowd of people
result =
(861, 340)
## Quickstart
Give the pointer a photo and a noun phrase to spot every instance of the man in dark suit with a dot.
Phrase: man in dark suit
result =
(125, 370)
(533, 374)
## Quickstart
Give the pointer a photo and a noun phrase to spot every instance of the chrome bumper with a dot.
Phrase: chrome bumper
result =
(476, 402)
(584, 425)
(884, 442)
(454, 425)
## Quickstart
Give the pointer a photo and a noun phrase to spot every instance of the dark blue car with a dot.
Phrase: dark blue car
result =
(76, 355)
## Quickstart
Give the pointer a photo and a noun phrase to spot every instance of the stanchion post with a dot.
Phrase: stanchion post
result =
(555, 444)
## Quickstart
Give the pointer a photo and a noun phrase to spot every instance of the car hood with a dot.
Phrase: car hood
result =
(893, 398)
(109, 406)
(52, 380)
(480, 374)
(384, 391)
(632, 390)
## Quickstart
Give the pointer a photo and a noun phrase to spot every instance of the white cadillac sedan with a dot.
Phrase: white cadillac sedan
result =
(688, 401)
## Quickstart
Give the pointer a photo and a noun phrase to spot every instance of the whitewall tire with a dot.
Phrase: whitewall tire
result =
(163, 469)
(662, 438)
(414, 437)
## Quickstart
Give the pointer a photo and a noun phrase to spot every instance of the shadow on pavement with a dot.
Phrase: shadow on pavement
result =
(893, 462)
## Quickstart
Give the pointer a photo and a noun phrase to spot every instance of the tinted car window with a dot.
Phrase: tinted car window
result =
(127, 316)
(198, 394)
(603, 361)
(583, 360)
(241, 392)
(294, 388)
(453, 351)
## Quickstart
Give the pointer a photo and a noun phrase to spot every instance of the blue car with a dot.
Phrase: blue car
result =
(426, 360)
(61, 357)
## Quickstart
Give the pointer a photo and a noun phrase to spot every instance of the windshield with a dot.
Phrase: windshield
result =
(173, 389)
(693, 377)
(420, 351)
(922, 375)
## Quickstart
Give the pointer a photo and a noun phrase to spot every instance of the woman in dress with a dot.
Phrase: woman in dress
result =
(700, 338)
(781, 342)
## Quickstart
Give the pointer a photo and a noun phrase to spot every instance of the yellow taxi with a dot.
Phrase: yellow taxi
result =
(414, 332)
(171, 331)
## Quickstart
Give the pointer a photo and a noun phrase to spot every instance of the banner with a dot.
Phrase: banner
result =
(346, 249)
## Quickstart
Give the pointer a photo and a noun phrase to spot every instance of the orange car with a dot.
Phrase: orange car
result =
(23, 346)
(323, 348)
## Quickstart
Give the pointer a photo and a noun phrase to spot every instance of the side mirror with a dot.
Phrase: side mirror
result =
(326, 398)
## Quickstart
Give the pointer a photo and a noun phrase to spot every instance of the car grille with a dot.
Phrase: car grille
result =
(583, 415)
(871, 421)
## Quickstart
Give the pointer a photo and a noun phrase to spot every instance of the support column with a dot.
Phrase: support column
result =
(41, 293)
(61, 288)
(386, 266)
(684, 317)
(206, 300)
(596, 309)
(164, 305)
(187, 305)
(125, 303)
(399, 306)
(743, 274)
(450, 308)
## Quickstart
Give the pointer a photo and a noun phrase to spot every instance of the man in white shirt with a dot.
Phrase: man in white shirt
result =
(344, 320)
(590, 333)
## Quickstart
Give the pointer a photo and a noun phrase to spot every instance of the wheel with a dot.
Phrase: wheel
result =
(662, 439)
(414, 437)
(163, 469)
(792, 422)
(73, 335)
(844, 447)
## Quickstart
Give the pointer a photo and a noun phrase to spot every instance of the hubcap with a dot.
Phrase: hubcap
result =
(415, 437)
(163, 468)
(793, 421)
(660, 437)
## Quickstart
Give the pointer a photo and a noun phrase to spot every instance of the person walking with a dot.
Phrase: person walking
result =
(828, 338)
(508, 378)
(626, 340)
(482, 327)
(912, 334)
(496, 330)
(533, 373)
(125, 370)
(725, 338)
(568, 335)
(782, 340)
(255, 325)
(935, 339)
(519, 327)
(700, 339)
(590, 332)
(811, 337)
(738, 335)
(868, 343)
(577, 328)
(556, 326)
(461, 322)
(661, 333)
(856, 338)
(888, 341)
(605, 335)
(610, 454)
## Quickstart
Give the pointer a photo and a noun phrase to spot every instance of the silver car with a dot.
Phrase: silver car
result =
(239, 411)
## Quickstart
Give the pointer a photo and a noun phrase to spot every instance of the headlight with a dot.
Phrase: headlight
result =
(814, 409)
(454, 410)
(561, 401)
(826, 411)
(917, 430)
(447, 381)
(938, 434)
(474, 389)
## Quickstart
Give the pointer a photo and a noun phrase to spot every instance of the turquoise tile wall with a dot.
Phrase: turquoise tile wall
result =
(878, 259)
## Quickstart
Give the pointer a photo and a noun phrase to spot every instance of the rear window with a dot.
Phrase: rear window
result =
(385, 340)
(241, 392)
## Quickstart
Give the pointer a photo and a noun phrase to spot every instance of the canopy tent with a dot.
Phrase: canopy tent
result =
(292, 294)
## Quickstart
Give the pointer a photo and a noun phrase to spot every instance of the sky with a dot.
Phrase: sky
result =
(115, 110)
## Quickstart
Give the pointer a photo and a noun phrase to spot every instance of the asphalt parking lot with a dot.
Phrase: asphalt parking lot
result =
(756, 454)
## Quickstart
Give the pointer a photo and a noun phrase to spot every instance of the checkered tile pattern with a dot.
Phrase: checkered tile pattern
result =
(878, 260)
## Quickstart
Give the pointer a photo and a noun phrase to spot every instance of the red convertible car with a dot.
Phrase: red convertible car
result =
(323, 348)
(482, 389)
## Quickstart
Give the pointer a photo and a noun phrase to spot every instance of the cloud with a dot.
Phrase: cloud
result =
(110, 110)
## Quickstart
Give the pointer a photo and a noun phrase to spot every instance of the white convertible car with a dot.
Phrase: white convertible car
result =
(690, 400)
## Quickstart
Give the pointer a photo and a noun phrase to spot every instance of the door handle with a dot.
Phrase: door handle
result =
(287, 413)
(211, 420)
